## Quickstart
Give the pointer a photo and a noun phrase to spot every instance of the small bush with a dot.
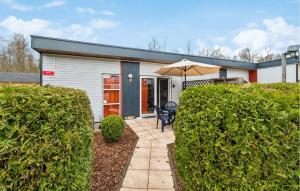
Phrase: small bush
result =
(112, 128)
(45, 139)
(231, 137)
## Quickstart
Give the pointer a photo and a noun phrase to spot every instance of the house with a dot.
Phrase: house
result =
(19, 78)
(121, 80)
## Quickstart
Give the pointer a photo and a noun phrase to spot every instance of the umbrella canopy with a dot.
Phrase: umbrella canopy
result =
(187, 68)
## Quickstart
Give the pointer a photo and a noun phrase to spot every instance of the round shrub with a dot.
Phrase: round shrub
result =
(231, 137)
(45, 139)
(112, 128)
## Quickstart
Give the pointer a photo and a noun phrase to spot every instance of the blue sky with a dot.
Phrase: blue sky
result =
(228, 25)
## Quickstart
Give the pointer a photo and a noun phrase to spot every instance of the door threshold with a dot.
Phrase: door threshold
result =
(149, 116)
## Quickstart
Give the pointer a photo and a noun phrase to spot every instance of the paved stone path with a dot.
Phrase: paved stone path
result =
(149, 168)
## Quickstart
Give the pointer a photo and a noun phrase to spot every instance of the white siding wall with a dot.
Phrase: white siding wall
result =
(204, 77)
(233, 73)
(147, 68)
(274, 74)
(82, 73)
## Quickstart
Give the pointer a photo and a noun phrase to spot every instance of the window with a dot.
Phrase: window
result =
(111, 94)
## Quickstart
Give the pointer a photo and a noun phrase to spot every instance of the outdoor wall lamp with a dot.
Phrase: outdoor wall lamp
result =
(130, 77)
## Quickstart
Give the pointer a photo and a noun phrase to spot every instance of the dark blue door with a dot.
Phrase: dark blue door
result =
(130, 88)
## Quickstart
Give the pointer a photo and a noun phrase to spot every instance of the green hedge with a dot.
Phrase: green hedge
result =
(112, 128)
(45, 139)
(231, 137)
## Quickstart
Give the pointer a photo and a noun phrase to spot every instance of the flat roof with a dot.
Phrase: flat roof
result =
(19, 77)
(44, 44)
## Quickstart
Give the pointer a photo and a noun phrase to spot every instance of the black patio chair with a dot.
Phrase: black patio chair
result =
(162, 116)
(170, 107)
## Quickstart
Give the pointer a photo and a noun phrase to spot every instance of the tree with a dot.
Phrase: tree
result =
(270, 55)
(214, 53)
(247, 55)
(16, 56)
(188, 46)
(154, 45)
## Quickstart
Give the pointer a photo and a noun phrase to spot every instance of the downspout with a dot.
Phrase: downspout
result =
(41, 68)
(283, 67)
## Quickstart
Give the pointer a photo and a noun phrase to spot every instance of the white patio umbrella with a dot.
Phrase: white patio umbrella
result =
(187, 68)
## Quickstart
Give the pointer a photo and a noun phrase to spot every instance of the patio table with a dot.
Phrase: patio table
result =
(170, 109)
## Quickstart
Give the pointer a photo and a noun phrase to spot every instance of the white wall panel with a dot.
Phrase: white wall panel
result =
(204, 77)
(274, 74)
(234, 73)
(82, 73)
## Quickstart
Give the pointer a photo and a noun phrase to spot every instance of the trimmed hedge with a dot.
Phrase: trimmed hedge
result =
(231, 137)
(112, 128)
(45, 139)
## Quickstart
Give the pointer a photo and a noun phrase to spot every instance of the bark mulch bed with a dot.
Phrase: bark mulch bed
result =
(177, 179)
(111, 160)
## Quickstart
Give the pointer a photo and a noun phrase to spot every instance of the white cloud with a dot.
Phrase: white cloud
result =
(273, 33)
(225, 50)
(12, 4)
(252, 25)
(200, 45)
(251, 38)
(88, 31)
(55, 3)
(102, 24)
(218, 39)
(34, 26)
(268, 35)
(108, 13)
(82, 10)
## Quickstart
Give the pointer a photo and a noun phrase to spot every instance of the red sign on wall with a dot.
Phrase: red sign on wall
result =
(48, 73)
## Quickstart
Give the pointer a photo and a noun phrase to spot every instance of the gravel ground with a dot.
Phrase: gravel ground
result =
(111, 160)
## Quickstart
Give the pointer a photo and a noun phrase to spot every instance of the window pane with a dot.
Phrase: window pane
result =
(147, 95)
(111, 96)
(111, 81)
(111, 110)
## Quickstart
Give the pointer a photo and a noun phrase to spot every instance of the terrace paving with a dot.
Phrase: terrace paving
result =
(149, 168)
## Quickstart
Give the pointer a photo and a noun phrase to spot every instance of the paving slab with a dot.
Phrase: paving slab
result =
(159, 164)
(133, 189)
(159, 152)
(141, 152)
(136, 179)
(149, 168)
(160, 180)
(137, 163)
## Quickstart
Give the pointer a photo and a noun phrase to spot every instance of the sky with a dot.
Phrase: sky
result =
(228, 25)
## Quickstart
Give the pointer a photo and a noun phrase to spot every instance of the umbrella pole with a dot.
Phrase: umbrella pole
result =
(184, 80)
(184, 87)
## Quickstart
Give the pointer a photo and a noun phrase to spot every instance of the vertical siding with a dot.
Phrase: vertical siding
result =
(177, 82)
(82, 73)
(204, 77)
(274, 74)
(233, 73)
(130, 89)
(147, 68)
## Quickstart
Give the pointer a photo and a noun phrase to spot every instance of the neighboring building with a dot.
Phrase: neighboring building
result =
(19, 78)
(121, 80)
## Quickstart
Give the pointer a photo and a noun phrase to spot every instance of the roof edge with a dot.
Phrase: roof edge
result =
(130, 48)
